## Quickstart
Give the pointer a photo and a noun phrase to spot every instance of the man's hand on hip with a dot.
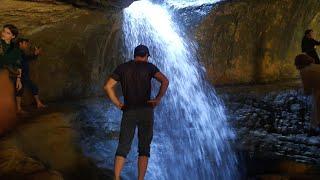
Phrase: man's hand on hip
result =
(120, 105)
(154, 102)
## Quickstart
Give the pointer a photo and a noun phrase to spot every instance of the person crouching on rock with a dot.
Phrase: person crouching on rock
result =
(28, 56)
(310, 76)
(308, 45)
(10, 56)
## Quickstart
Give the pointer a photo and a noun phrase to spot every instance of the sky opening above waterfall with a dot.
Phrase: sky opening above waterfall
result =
(188, 3)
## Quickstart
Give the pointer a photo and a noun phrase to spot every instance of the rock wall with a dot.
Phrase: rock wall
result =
(245, 41)
(80, 46)
(101, 4)
(240, 41)
(274, 124)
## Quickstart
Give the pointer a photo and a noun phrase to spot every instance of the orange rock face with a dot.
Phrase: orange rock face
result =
(7, 103)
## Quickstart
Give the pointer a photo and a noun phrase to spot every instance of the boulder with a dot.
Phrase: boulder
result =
(7, 102)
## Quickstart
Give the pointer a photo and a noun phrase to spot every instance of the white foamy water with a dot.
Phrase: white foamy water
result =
(188, 3)
(191, 136)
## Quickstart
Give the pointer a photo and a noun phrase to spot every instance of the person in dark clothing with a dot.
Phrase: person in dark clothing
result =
(308, 45)
(135, 78)
(10, 56)
(28, 56)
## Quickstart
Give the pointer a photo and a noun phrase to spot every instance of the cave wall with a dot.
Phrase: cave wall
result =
(101, 4)
(273, 123)
(240, 41)
(80, 46)
(245, 41)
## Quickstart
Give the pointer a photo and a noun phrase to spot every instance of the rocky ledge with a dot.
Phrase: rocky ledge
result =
(274, 123)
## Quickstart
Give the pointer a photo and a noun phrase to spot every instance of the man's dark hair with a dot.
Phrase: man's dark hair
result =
(307, 32)
(302, 60)
(14, 30)
(21, 40)
(141, 51)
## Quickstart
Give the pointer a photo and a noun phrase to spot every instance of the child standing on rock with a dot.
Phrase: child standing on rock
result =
(27, 56)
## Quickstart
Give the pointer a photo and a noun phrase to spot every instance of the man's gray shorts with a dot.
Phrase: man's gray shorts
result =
(132, 118)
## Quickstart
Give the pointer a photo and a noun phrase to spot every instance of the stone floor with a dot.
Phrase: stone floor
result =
(44, 145)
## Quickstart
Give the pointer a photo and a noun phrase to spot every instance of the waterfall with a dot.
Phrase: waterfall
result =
(188, 3)
(191, 136)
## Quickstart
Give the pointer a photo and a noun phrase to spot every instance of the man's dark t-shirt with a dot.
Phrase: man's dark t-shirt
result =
(135, 78)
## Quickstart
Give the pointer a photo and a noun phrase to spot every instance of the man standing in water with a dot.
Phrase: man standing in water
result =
(135, 78)
(308, 45)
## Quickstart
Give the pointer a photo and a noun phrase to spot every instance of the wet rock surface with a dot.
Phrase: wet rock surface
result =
(268, 147)
(191, 17)
(274, 123)
(271, 127)
(44, 145)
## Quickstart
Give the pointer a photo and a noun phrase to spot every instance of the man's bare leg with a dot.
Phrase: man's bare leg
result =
(19, 108)
(118, 165)
(142, 167)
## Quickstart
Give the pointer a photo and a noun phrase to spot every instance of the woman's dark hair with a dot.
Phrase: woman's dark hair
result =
(14, 30)
(307, 32)
(302, 60)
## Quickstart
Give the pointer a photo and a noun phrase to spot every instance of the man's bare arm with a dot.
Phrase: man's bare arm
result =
(164, 84)
(109, 87)
(163, 88)
(18, 82)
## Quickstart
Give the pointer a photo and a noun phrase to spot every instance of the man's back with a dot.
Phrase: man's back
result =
(135, 78)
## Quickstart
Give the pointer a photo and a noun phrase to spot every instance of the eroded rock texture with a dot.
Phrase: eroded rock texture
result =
(274, 124)
(248, 41)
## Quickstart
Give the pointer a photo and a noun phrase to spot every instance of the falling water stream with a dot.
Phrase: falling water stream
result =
(187, 3)
(191, 136)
